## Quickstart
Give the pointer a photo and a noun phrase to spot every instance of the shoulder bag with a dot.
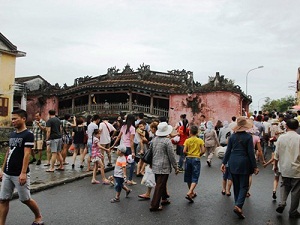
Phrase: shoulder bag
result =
(69, 140)
(148, 156)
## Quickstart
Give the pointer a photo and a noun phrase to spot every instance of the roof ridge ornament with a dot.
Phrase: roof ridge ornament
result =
(144, 69)
(112, 71)
(127, 69)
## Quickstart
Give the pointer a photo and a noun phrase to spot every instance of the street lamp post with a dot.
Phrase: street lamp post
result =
(247, 77)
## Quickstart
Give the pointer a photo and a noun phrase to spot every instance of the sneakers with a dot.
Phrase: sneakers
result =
(38, 162)
(109, 164)
(180, 170)
(274, 195)
(32, 161)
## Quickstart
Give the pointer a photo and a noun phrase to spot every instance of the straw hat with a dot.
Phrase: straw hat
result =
(243, 124)
(163, 129)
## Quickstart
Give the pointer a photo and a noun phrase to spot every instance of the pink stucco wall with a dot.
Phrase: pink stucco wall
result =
(33, 107)
(220, 105)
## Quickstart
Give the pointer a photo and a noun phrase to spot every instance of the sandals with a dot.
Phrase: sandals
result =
(155, 209)
(248, 195)
(95, 182)
(165, 202)
(239, 212)
(38, 223)
(128, 192)
(106, 182)
(50, 171)
(114, 200)
(189, 198)
(143, 196)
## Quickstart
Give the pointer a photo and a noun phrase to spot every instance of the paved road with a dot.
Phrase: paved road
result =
(80, 202)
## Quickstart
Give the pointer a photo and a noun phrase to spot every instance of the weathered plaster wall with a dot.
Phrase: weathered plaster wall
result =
(43, 106)
(220, 105)
(7, 76)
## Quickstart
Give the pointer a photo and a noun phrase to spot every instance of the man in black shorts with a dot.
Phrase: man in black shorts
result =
(15, 170)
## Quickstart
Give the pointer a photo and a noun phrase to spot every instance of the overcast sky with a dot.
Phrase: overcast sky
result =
(73, 38)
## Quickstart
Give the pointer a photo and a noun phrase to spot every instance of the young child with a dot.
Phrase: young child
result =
(276, 176)
(140, 136)
(274, 130)
(120, 174)
(97, 157)
(193, 149)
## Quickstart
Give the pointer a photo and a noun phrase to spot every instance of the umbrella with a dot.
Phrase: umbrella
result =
(297, 107)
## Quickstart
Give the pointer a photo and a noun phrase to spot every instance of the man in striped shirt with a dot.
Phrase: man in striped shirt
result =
(38, 129)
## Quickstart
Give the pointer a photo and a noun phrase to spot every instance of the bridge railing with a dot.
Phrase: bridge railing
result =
(113, 108)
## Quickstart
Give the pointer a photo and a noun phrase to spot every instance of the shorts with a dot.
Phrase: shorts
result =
(9, 183)
(78, 147)
(119, 183)
(55, 145)
(227, 174)
(89, 148)
(192, 170)
(38, 145)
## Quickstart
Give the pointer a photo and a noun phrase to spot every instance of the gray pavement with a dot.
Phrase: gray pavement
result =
(80, 202)
(41, 180)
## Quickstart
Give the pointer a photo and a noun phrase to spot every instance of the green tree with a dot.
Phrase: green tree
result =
(281, 105)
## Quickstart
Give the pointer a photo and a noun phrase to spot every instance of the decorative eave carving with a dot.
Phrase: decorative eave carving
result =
(81, 80)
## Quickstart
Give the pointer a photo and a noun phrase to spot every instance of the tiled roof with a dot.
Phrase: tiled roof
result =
(24, 79)
(10, 48)
(7, 42)
(152, 81)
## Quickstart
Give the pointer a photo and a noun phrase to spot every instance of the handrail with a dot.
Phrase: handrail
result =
(113, 108)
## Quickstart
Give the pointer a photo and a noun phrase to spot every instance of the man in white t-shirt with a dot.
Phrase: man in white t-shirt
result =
(286, 157)
(90, 131)
(105, 133)
(266, 136)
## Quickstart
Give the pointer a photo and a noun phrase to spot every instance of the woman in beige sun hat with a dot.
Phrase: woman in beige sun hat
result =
(241, 162)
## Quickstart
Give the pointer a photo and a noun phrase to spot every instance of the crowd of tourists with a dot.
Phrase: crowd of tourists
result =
(148, 149)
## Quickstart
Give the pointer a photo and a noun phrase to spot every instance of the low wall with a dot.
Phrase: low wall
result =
(4, 134)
